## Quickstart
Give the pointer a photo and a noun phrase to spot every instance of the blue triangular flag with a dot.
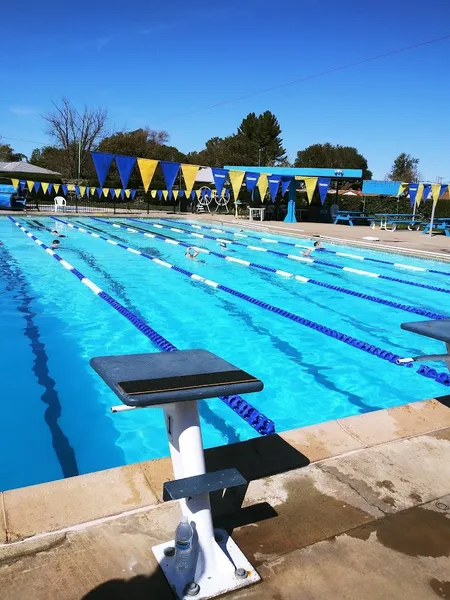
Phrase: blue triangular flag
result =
(36, 186)
(125, 166)
(64, 188)
(426, 190)
(112, 192)
(77, 191)
(274, 184)
(159, 193)
(251, 179)
(102, 163)
(285, 183)
(413, 187)
(170, 172)
(122, 194)
(323, 183)
(220, 176)
(133, 194)
(50, 188)
(99, 192)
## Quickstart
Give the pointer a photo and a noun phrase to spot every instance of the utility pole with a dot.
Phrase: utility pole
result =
(79, 161)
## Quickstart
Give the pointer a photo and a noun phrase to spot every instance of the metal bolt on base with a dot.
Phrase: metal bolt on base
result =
(192, 589)
(169, 551)
(241, 573)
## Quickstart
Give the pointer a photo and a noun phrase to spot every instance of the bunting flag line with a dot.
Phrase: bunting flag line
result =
(189, 175)
(132, 193)
(105, 191)
(127, 193)
(125, 166)
(50, 188)
(175, 194)
(153, 193)
(159, 192)
(112, 192)
(36, 186)
(435, 191)
(15, 183)
(64, 188)
(99, 192)
(117, 192)
(236, 179)
(402, 187)
(44, 187)
(147, 168)
(220, 176)
(310, 184)
(165, 193)
(30, 185)
(71, 187)
(102, 163)
(170, 172)
(82, 189)
(263, 184)
(324, 184)
(274, 184)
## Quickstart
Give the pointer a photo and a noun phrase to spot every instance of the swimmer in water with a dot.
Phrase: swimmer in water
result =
(61, 235)
(55, 244)
(308, 251)
(191, 253)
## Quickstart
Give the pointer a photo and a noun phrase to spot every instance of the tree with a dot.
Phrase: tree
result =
(49, 157)
(7, 154)
(265, 132)
(404, 168)
(77, 133)
(232, 150)
(328, 156)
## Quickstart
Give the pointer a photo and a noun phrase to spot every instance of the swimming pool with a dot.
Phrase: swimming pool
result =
(57, 419)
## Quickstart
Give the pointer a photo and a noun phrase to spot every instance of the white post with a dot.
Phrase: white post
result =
(430, 232)
(186, 450)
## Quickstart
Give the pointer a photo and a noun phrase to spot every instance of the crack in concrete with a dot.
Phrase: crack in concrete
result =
(356, 486)
(33, 551)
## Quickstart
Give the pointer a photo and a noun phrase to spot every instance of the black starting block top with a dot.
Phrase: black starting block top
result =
(154, 379)
(437, 330)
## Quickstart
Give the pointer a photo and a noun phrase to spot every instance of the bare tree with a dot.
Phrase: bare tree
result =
(76, 133)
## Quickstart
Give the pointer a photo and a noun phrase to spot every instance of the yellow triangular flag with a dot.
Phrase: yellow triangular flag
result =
(165, 194)
(105, 191)
(310, 183)
(70, 188)
(175, 194)
(402, 188)
(82, 189)
(92, 190)
(15, 183)
(153, 193)
(436, 191)
(263, 184)
(189, 175)
(56, 187)
(127, 193)
(30, 185)
(419, 194)
(117, 192)
(236, 179)
(44, 187)
(147, 167)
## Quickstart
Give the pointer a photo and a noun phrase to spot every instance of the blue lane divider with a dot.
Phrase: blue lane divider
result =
(405, 307)
(313, 261)
(251, 415)
(284, 243)
(443, 378)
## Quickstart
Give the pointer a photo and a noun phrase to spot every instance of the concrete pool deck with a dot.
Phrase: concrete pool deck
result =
(352, 509)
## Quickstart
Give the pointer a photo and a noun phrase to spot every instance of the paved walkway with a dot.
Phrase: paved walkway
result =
(372, 524)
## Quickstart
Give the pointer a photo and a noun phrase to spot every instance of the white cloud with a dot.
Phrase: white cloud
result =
(23, 111)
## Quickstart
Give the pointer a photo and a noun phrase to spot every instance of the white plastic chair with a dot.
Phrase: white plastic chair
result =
(60, 202)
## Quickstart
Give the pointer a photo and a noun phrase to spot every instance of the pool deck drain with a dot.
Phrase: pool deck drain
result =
(357, 508)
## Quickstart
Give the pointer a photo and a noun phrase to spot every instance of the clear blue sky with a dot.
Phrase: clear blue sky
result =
(150, 62)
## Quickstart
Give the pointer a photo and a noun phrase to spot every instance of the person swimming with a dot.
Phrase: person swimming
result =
(55, 232)
(308, 251)
(191, 253)
(55, 244)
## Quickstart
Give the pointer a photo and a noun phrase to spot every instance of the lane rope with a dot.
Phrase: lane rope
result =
(312, 261)
(285, 274)
(246, 411)
(442, 378)
(343, 254)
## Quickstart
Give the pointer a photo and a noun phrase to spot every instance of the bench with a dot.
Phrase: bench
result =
(345, 216)
(439, 225)
(390, 221)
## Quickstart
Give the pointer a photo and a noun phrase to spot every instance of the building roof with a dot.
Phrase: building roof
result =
(22, 167)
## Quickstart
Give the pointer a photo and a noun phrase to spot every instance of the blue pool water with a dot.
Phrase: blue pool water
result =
(57, 421)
